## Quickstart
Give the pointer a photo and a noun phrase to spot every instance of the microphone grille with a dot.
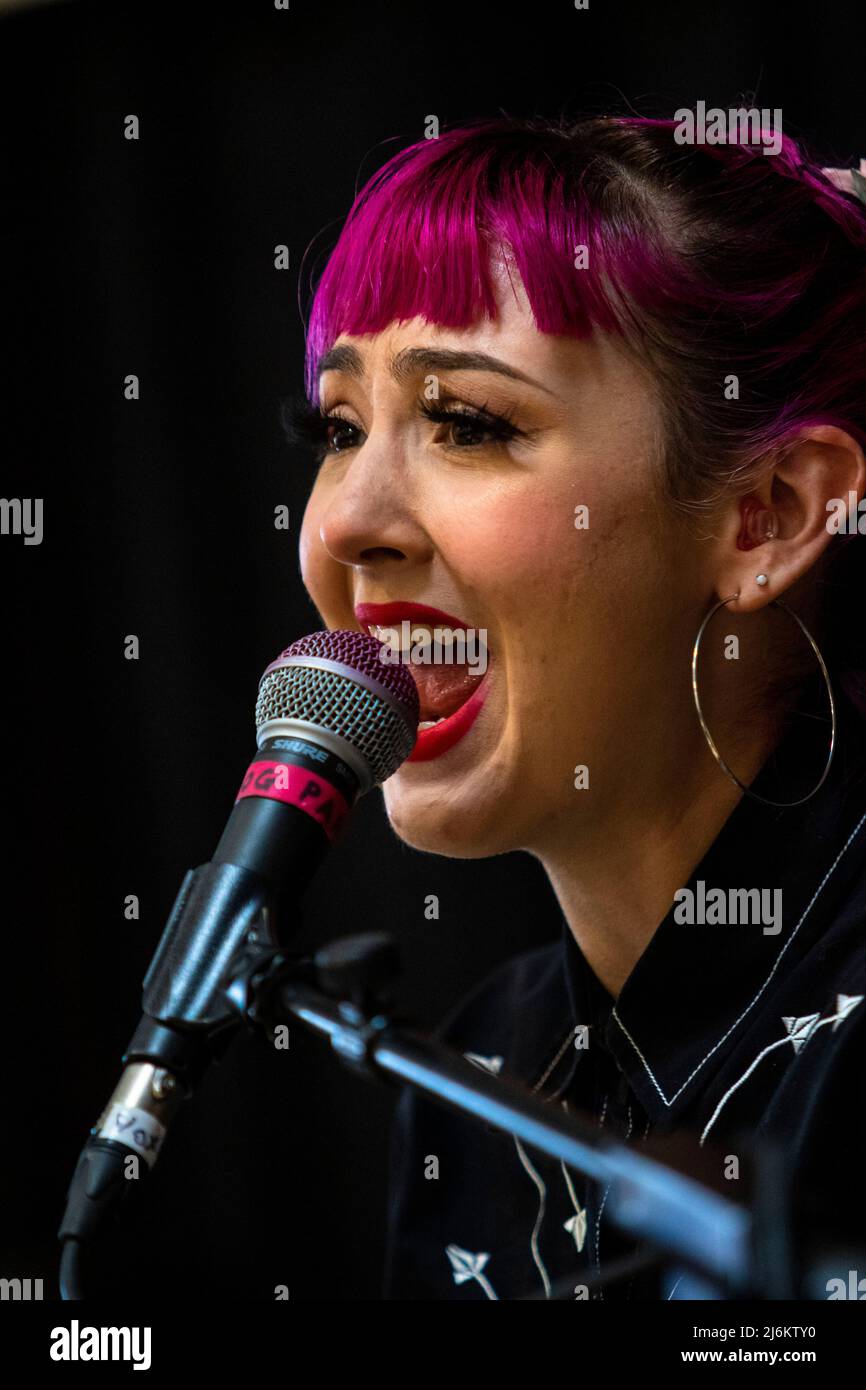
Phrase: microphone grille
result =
(337, 682)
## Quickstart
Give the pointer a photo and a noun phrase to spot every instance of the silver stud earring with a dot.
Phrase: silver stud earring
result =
(761, 579)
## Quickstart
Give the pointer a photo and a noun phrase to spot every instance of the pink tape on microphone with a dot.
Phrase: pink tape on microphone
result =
(297, 786)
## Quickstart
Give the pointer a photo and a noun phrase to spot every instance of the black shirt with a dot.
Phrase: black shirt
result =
(740, 1033)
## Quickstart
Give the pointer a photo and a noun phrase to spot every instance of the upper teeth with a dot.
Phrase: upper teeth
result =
(403, 637)
(381, 634)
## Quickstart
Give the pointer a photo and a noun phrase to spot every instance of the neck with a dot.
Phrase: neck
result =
(619, 888)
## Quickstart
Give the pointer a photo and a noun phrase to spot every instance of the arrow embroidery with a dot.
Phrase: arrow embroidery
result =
(800, 1029)
(491, 1064)
(465, 1266)
(844, 1005)
(576, 1227)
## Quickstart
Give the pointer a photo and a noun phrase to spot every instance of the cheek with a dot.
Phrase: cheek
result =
(309, 544)
(575, 603)
(499, 540)
(525, 554)
(324, 579)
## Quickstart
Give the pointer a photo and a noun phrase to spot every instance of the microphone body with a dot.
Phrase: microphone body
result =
(332, 721)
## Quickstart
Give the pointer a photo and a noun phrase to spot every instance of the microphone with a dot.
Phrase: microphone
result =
(332, 721)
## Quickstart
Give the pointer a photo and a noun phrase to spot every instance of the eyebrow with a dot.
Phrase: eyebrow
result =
(411, 360)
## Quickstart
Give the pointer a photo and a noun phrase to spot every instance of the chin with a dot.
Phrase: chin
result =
(436, 823)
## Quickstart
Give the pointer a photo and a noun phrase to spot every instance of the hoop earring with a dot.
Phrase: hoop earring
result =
(708, 736)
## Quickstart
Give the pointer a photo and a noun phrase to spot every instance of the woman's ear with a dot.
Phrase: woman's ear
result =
(777, 533)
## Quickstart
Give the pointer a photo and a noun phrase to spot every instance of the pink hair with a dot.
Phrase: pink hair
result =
(712, 261)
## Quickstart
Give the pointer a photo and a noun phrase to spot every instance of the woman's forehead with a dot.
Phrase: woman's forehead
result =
(554, 363)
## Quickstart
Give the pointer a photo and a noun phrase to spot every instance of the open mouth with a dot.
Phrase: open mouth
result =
(449, 662)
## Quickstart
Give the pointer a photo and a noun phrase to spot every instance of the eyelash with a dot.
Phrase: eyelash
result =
(308, 427)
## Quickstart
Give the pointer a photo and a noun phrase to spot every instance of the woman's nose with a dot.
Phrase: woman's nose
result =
(370, 517)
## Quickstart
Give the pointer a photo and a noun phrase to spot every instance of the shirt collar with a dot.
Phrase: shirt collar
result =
(696, 987)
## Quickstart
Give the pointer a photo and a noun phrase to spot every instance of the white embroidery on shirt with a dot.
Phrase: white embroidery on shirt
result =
(570, 1037)
(601, 1206)
(844, 1004)
(799, 1032)
(749, 1007)
(542, 1202)
(491, 1064)
(465, 1266)
(800, 1029)
(575, 1225)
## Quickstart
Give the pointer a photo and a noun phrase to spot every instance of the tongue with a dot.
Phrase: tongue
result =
(443, 689)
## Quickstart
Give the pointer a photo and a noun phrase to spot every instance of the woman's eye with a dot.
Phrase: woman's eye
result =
(340, 435)
(465, 429)
(315, 430)
(467, 432)
(457, 428)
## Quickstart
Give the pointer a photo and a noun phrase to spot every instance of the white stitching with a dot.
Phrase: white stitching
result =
(541, 1080)
(542, 1194)
(771, 1047)
(571, 1192)
(601, 1209)
(780, 1042)
(748, 1007)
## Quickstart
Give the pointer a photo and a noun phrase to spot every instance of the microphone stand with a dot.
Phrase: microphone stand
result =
(342, 995)
(714, 1247)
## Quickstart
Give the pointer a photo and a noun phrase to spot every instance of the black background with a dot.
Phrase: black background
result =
(155, 257)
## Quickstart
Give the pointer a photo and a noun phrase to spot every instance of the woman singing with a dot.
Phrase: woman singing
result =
(597, 399)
